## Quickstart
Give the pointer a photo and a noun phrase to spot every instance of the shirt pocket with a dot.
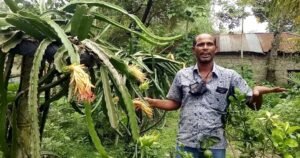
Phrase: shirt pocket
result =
(220, 94)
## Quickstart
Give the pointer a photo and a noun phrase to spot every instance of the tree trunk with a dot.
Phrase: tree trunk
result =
(3, 107)
(147, 11)
(23, 133)
(272, 56)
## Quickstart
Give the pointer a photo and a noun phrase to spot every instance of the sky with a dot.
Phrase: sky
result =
(251, 25)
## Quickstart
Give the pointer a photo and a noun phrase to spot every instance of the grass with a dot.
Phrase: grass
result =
(167, 139)
(66, 132)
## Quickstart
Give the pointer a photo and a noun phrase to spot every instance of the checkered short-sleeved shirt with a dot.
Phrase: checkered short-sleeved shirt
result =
(201, 115)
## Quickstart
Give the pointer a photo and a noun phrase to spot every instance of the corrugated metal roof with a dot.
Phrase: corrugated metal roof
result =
(257, 42)
(238, 42)
(253, 43)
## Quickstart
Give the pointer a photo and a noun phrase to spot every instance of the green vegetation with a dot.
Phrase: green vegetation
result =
(83, 62)
(66, 132)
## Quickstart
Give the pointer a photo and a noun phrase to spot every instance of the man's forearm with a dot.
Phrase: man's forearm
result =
(265, 90)
(163, 104)
(257, 97)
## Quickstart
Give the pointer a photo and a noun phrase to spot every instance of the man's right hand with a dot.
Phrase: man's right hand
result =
(165, 104)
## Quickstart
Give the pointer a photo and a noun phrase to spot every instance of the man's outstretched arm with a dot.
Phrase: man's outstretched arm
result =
(166, 104)
(257, 97)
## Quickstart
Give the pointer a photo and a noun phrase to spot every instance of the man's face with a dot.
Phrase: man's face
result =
(205, 48)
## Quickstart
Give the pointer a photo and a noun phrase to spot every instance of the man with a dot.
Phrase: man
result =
(201, 91)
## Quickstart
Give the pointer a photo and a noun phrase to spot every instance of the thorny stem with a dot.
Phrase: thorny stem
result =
(156, 123)
(50, 74)
(53, 84)
(48, 86)
(8, 67)
(45, 108)
(92, 131)
(3, 107)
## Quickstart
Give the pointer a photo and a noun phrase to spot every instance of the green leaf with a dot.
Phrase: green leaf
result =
(157, 58)
(60, 59)
(297, 154)
(286, 126)
(136, 90)
(64, 39)
(39, 23)
(291, 143)
(6, 36)
(33, 95)
(120, 85)
(42, 5)
(85, 26)
(99, 101)
(3, 24)
(110, 106)
(287, 155)
(140, 62)
(102, 32)
(119, 64)
(71, 6)
(209, 141)
(13, 87)
(91, 127)
(12, 5)
(77, 18)
(292, 129)
(156, 83)
(107, 45)
(56, 13)
(22, 24)
(142, 36)
(278, 135)
(70, 93)
(35, 22)
(12, 42)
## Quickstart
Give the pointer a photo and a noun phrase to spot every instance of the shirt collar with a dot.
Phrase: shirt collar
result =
(215, 69)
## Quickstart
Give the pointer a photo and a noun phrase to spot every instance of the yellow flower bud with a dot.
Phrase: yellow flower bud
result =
(137, 73)
(80, 81)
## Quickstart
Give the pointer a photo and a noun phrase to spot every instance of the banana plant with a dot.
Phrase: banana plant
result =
(59, 52)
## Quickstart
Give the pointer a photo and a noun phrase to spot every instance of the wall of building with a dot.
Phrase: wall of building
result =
(285, 64)
(258, 64)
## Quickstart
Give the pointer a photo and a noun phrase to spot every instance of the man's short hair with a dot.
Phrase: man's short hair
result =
(194, 41)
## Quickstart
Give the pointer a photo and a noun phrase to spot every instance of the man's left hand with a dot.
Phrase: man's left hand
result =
(259, 90)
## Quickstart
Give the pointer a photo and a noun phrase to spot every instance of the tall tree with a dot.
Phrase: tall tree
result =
(282, 16)
(230, 14)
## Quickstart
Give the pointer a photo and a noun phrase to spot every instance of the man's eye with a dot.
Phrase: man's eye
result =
(200, 45)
